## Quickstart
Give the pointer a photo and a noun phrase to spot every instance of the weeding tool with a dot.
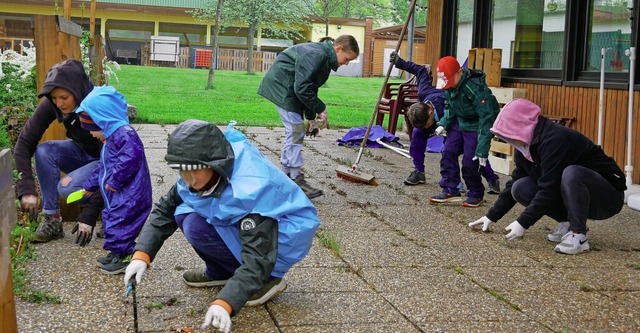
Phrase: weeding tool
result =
(131, 290)
(353, 174)
(75, 196)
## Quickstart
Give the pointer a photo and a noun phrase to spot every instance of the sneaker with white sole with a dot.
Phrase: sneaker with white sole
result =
(445, 197)
(561, 230)
(573, 243)
(198, 278)
(270, 290)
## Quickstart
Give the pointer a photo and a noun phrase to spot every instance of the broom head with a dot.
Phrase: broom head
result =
(355, 176)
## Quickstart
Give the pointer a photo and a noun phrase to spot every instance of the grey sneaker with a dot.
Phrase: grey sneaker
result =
(50, 228)
(573, 243)
(198, 278)
(494, 187)
(117, 265)
(270, 290)
(306, 188)
(561, 230)
(416, 177)
(103, 260)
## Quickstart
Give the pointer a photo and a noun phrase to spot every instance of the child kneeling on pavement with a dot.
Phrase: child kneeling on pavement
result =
(559, 173)
(244, 217)
(122, 176)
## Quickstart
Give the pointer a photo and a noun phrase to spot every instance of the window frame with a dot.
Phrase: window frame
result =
(577, 26)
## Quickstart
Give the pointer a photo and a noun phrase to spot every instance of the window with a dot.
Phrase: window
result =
(530, 33)
(609, 28)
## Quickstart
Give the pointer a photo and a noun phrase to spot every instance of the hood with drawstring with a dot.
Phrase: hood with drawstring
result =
(107, 108)
(200, 142)
(517, 121)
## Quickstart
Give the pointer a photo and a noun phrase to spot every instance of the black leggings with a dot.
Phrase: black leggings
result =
(585, 195)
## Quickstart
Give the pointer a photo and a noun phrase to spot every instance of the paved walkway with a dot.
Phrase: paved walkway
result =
(402, 264)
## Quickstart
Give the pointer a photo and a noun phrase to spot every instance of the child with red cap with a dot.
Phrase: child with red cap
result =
(470, 109)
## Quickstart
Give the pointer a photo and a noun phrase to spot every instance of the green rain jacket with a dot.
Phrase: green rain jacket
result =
(293, 80)
(475, 107)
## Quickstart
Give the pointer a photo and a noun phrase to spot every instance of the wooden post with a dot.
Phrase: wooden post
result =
(8, 219)
(92, 20)
(53, 45)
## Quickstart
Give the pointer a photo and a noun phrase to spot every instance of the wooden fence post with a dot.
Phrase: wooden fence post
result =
(8, 219)
(56, 39)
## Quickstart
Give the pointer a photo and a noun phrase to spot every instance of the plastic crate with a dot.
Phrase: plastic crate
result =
(203, 58)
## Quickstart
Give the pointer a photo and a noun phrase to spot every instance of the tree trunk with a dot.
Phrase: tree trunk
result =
(252, 31)
(214, 44)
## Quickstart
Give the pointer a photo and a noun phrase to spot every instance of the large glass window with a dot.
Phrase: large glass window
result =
(465, 29)
(530, 33)
(610, 28)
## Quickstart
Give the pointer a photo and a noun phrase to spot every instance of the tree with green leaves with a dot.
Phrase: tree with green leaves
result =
(281, 19)
(324, 9)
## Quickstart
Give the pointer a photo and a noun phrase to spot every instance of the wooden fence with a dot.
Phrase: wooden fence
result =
(235, 60)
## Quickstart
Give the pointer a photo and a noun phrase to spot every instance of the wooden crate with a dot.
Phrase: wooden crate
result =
(489, 61)
(501, 157)
(500, 152)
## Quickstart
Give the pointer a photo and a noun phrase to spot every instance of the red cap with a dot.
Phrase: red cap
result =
(447, 68)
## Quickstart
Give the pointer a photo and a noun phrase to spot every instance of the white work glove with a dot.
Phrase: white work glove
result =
(29, 205)
(321, 120)
(484, 221)
(137, 267)
(218, 317)
(313, 129)
(439, 130)
(481, 160)
(515, 230)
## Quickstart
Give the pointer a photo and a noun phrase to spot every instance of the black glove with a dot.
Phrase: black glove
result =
(85, 232)
(393, 57)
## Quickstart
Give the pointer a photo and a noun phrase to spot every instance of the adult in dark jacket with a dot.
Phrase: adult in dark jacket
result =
(292, 85)
(65, 86)
(559, 173)
(246, 220)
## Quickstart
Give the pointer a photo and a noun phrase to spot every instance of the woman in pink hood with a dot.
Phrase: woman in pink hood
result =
(559, 173)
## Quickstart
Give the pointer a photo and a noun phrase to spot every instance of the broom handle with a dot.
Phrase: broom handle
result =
(412, 6)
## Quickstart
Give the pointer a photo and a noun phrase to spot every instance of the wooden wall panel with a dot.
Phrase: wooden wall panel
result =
(582, 103)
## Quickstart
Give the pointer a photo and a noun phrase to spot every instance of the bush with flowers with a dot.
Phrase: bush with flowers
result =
(17, 92)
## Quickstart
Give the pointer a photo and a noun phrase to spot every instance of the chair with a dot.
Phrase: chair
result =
(395, 101)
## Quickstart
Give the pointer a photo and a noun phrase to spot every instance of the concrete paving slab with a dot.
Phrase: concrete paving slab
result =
(404, 265)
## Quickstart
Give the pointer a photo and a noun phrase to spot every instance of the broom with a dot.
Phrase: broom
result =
(353, 174)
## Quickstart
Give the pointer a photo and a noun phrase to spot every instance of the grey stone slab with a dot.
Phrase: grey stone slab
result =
(320, 256)
(400, 327)
(469, 256)
(520, 279)
(609, 279)
(488, 326)
(331, 308)
(327, 279)
(575, 311)
(426, 281)
(382, 249)
(349, 224)
(446, 306)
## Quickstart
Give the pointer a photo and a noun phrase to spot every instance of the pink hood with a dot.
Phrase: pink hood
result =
(517, 121)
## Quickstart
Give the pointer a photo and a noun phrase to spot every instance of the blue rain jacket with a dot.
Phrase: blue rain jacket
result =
(257, 188)
(123, 166)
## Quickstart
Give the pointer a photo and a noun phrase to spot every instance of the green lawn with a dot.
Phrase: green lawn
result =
(170, 95)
